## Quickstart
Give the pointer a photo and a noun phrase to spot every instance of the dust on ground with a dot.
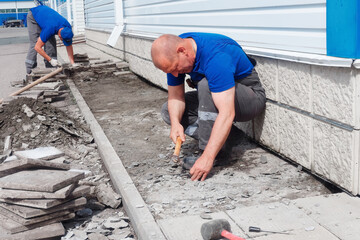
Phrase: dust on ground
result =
(128, 109)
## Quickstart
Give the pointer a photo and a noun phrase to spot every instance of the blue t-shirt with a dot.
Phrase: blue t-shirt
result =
(49, 21)
(218, 58)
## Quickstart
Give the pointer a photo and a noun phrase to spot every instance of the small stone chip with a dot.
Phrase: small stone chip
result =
(205, 216)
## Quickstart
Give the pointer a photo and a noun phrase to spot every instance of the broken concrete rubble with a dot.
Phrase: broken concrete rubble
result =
(106, 195)
(46, 123)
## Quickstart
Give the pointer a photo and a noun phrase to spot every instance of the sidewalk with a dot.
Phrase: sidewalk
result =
(335, 216)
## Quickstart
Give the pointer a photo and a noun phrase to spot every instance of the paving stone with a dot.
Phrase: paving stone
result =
(34, 220)
(277, 217)
(40, 180)
(15, 166)
(47, 86)
(18, 194)
(43, 153)
(29, 212)
(340, 213)
(48, 231)
(174, 228)
(42, 203)
(301, 234)
(14, 227)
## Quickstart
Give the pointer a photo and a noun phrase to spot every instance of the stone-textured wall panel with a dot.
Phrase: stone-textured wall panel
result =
(333, 93)
(295, 136)
(295, 84)
(147, 70)
(357, 98)
(138, 47)
(267, 70)
(333, 151)
(266, 130)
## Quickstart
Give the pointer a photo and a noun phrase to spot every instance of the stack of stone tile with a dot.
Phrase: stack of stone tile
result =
(37, 192)
(81, 58)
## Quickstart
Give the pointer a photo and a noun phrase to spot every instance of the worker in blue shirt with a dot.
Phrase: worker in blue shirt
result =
(43, 24)
(228, 90)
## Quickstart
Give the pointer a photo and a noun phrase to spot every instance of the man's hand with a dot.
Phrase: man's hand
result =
(201, 168)
(54, 62)
(177, 130)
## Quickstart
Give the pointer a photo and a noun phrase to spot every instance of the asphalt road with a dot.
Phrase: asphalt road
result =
(14, 44)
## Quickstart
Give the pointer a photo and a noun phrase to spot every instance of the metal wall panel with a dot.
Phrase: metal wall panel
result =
(99, 14)
(291, 25)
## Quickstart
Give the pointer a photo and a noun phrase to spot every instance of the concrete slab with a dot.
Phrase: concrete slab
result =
(11, 167)
(189, 227)
(43, 203)
(47, 86)
(13, 227)
(28, 212)
(34, 220)
(42, 180)
(277, 217)
(339, 213)
(18, 194)
(48, 231)
(43, 153)
(301, 234)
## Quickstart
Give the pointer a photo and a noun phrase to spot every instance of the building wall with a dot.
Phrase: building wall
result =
(313, 109)
(297, 25)
(100, 14)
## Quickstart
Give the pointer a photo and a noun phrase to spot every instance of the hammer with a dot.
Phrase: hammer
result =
(217, 229)
(175, 157)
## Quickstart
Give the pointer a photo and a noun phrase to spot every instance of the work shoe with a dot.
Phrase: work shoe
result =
(221, 159)
(188, 162)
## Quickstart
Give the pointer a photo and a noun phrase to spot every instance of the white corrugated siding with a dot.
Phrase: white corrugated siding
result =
(100, 14)
(79, 21)
(291, 25)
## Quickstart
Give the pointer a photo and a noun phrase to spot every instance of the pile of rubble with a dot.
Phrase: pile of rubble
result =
(37, 192)
(32, 123)
(28, 125)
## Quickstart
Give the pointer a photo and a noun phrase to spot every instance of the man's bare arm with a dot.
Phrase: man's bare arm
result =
(39, 48)
(176, 107)
(70, 52)
(225, 103)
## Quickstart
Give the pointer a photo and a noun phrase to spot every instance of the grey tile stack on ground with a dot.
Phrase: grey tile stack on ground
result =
(37, 193)
(51, 90)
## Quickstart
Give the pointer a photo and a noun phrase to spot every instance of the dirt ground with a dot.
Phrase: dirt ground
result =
(128, 109)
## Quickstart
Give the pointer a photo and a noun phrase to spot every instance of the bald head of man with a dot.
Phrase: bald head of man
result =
(174, 55)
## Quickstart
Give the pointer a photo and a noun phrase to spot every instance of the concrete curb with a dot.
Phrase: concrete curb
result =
(141, 218)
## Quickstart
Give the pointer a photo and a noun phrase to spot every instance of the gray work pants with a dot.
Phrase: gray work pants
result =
(34, 33)
(201, 112)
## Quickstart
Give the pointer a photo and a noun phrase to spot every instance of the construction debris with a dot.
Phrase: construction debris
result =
(31, 176)
(39, 141)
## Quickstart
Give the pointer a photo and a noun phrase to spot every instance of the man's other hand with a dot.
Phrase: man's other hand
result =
(54, 62)
(201, 168)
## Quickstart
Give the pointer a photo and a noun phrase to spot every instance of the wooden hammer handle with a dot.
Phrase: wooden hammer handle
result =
(230, 236)
(177, 146)
(37, 81)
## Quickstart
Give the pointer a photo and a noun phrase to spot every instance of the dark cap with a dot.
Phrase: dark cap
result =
(66, 35)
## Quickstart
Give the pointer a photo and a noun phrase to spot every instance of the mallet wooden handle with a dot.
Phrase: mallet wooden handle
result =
(177, 146)
(230, 236)
(37, 81)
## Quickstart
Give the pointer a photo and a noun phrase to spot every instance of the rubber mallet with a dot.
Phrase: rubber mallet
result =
(217, 229)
